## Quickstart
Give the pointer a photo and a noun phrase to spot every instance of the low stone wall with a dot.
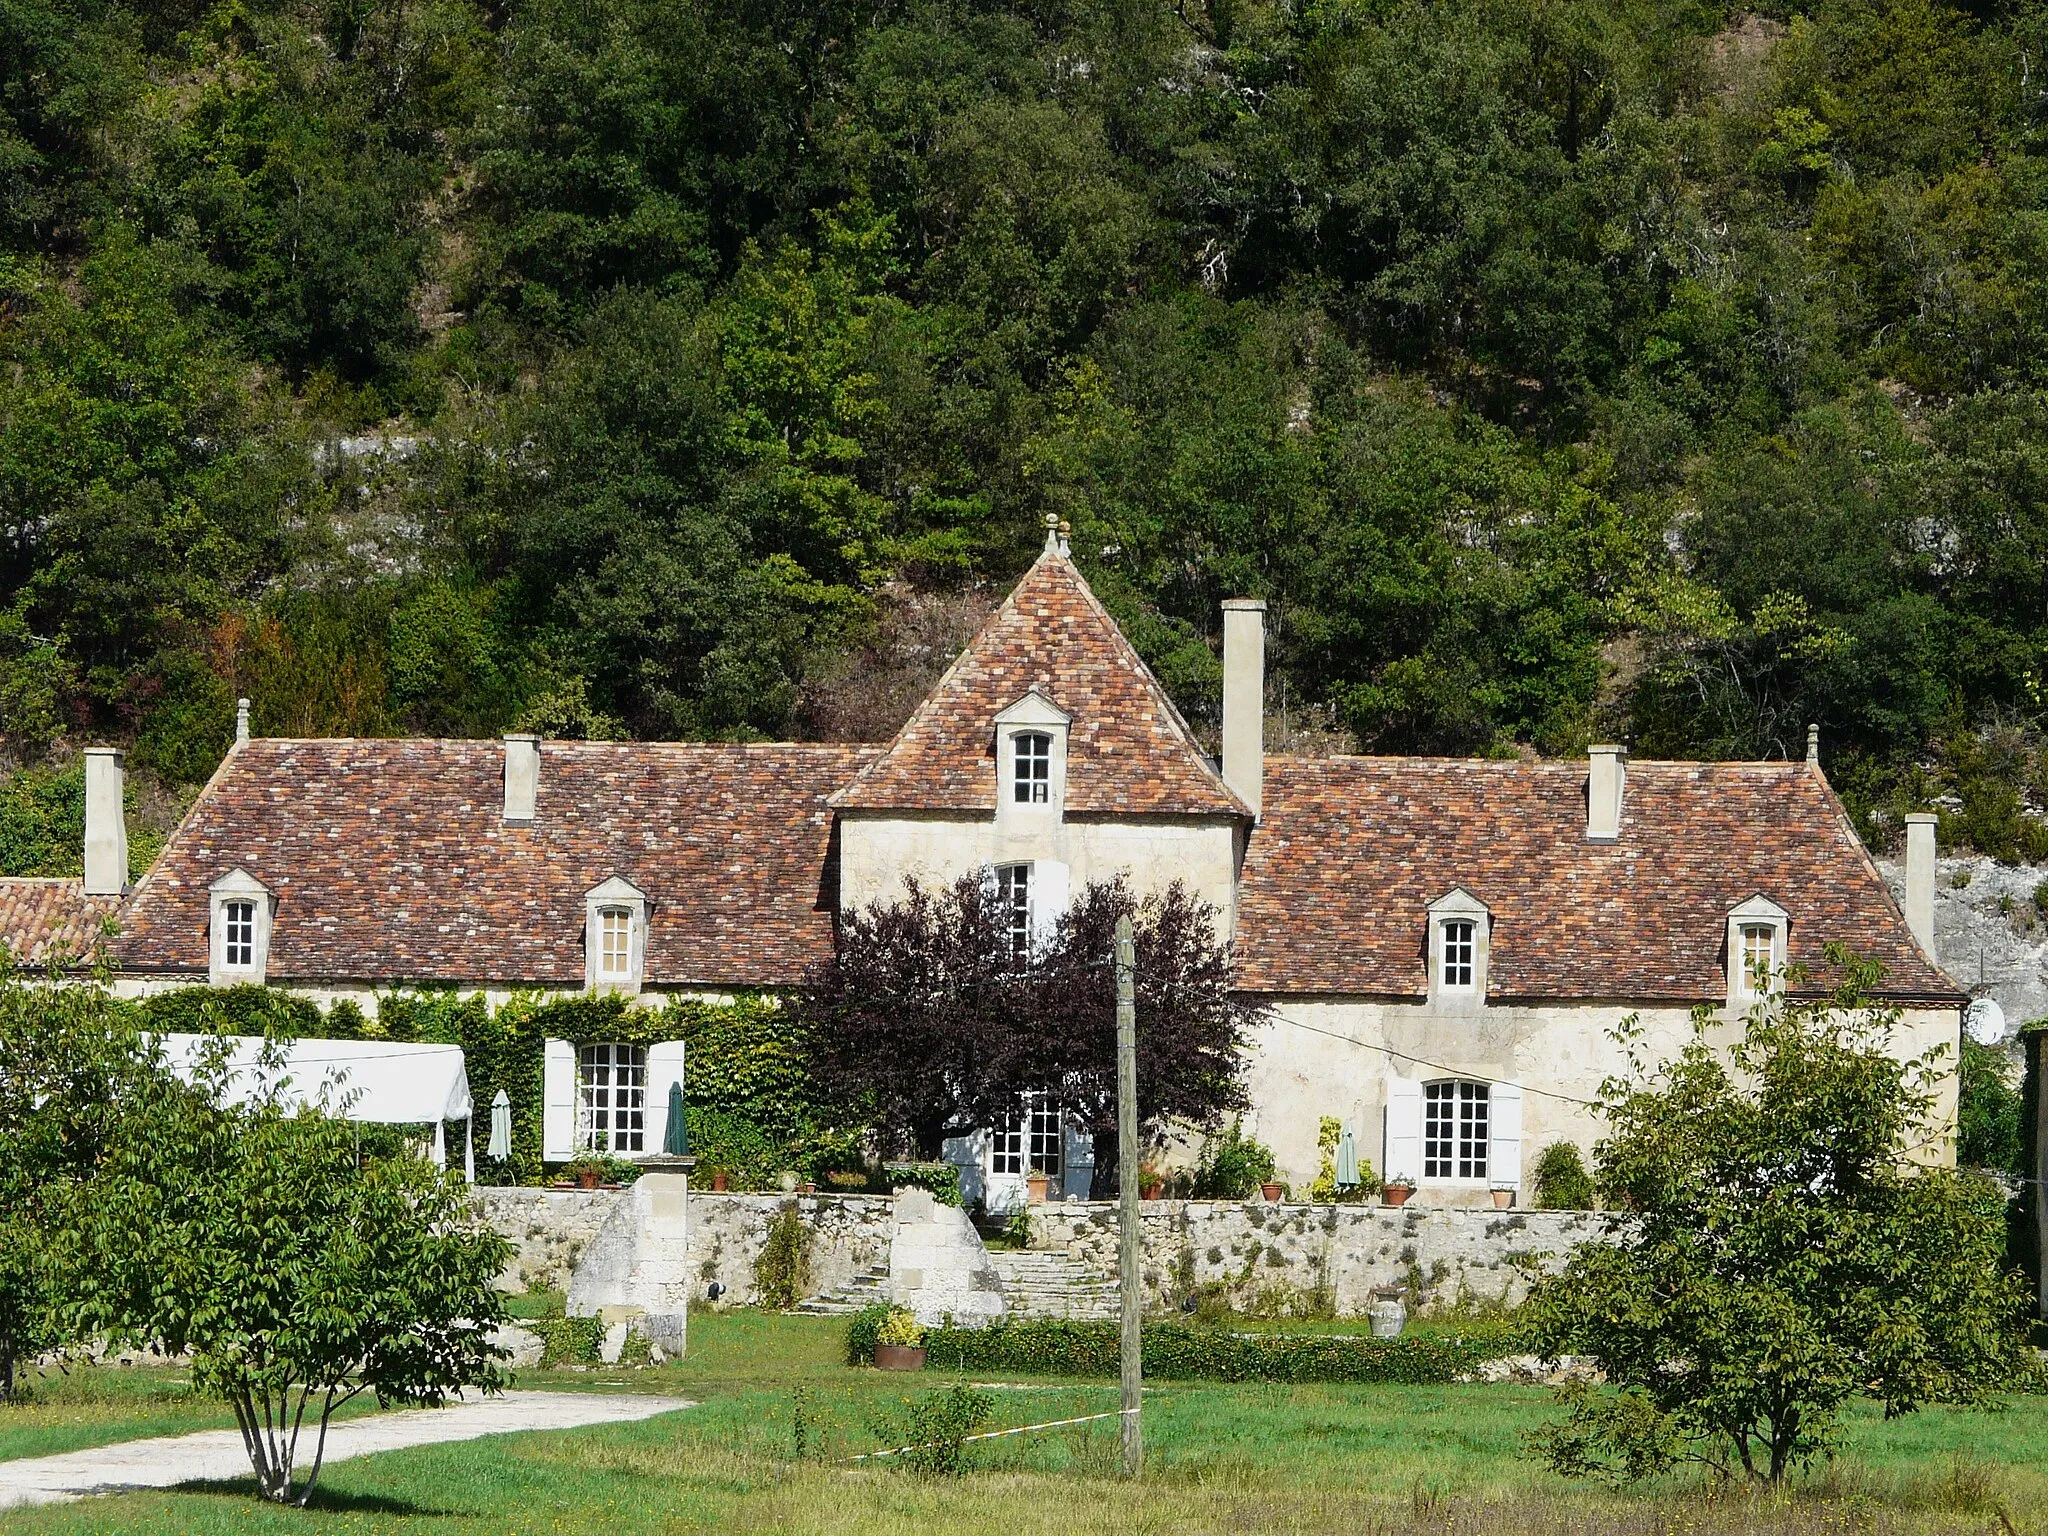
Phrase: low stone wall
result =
(1273, 1257)
(552, 1229)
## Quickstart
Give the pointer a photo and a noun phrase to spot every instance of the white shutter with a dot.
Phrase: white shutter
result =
(1404, 1129)
(1504, 1149)
(1049, 896)
(557, 1101)
(664, 1066)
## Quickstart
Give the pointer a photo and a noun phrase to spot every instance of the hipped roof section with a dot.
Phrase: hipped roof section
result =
(1129, 752)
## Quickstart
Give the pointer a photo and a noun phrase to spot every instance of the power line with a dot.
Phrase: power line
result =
(1441, 1066)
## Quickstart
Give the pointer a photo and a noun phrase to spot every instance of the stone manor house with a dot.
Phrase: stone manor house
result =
(1445, 943)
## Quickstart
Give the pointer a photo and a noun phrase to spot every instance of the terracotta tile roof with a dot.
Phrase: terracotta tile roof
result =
(42, 916)
(1129, 752)
(390, 861)
(1352, 850)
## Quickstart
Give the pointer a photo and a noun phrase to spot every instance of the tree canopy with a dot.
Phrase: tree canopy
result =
(1556, 372)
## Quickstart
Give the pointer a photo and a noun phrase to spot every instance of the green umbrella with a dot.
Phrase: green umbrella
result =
(1347, 1160)
(676, 1142)
(501, 1127)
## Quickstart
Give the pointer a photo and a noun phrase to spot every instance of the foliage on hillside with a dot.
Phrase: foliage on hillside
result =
(1554, 370)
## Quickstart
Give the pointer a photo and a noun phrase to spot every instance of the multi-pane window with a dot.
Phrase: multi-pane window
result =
(1459, 949)
(1034, 769)
(1046, 1145)
(1759, 955)
(239, 946)
(611, 1082)
(1454, 1130)
(1006, 1152)
(615, 942)
(1013, 894)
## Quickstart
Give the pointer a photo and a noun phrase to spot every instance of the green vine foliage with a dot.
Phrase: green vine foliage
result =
(782, 1274)
(1177, 1352)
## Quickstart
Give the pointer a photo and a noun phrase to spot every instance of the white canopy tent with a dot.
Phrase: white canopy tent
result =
(374, 1082)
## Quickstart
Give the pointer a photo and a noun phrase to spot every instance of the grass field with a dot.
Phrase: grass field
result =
(1364, 1461)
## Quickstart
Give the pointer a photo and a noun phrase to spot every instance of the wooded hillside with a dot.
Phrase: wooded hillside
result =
(703, 368)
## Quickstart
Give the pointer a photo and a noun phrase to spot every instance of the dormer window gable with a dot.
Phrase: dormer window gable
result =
(1757, 943)
(238, 930)
(1031, 758)
(615, 937)
(1459, 949)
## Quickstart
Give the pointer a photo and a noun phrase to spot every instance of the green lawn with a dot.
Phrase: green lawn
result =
(1356, 1460)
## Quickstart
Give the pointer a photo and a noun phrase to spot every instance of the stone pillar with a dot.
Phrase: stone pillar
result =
(636, 1274)
(938, 1267)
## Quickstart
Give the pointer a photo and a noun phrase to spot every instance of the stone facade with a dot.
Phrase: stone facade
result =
(552, 1231)
(1277, 1257)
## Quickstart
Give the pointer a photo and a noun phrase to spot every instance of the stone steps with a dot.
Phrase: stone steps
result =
(1038, 1284)
(864, 1289)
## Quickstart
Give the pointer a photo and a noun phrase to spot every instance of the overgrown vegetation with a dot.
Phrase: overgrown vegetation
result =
(1562, 1183)
(782, 1271)
(1612, 369)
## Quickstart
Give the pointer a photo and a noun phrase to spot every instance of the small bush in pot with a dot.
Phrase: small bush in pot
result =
(899, 1342)
(1562, 1182)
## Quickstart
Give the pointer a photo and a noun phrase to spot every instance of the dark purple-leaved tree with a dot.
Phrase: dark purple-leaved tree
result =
(930, 1018)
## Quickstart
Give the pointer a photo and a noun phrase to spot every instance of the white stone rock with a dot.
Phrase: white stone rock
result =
(523, 1346)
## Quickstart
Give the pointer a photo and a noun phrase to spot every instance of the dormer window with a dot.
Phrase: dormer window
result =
(615, 937)
(238, 949)
(1458, 948)
(1758, 930)
(1032, 780)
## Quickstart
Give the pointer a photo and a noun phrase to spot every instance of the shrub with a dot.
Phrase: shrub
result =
(1234, 1167)
(782, 1273)
(567, 1340)
(1176, 1351)
(901, 1329)
(1987, 1110)
(864, 1331)
(1562, 1183)
(941, 1179)
(936, 1428)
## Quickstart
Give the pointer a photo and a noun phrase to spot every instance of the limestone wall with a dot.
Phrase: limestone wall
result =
(551, 1230)
(1270, 1255)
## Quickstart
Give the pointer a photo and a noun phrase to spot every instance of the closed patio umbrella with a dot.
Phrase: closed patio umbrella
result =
(676, 1141)
(1347, 1160)
(501, 1127)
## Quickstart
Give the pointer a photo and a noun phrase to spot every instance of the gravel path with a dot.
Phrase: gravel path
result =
(217, 1453)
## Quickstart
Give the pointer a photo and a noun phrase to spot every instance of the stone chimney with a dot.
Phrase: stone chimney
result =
(1606, 775)
(522, 778)
(241, 721)
(1919, 902)
(1244, 698)
(106, 823)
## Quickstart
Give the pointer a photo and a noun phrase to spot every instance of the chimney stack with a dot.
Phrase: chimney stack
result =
(241, 721)
(1606, 774)
(106, 823)
(1244, 698)
(522, 778)
(1813, 745)
(1919, 903)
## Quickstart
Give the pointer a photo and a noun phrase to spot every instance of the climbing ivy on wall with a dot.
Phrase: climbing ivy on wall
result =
(745, 1078)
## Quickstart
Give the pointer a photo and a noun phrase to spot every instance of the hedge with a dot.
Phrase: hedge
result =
(1180, 1352)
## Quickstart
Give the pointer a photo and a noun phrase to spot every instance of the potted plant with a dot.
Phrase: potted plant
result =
(1397, 1190)
(1151, 1181)
(721, 1181)
(1038, 1181)
(1503, 1196)
(1274, 1191)
(585, 1170)
(899, 1342)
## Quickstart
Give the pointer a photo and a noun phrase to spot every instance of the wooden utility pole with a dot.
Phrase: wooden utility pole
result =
(1133, 1283)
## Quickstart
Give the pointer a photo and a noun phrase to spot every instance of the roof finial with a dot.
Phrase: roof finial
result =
(1813, 744)
(1052, 534)
(241, 720)
(1065, 529)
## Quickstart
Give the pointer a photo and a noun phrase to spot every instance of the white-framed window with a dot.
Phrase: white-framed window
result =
(615, 943)
(1759, 955)
(1031, 782)
(1460, 954)
(1033, 1138)
(1047, 1142)
(1757, 932)
(239, 939)
(611, 1098)
(1455, 1129)
(1013, 896)
(1006, 1146)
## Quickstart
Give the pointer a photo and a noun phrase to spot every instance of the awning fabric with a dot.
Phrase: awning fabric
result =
(374, 1081)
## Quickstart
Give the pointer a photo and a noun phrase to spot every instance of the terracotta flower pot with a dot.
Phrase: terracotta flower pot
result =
(1153, 1190)
(899, 1357)
(1503, 1198)
(1038, 1184)
(1274, 1193)
(586, 1180)
(720, 1182)
(1396, 1194)
(807, 1189)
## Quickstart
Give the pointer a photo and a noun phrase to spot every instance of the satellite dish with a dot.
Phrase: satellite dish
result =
(1985, 1021)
